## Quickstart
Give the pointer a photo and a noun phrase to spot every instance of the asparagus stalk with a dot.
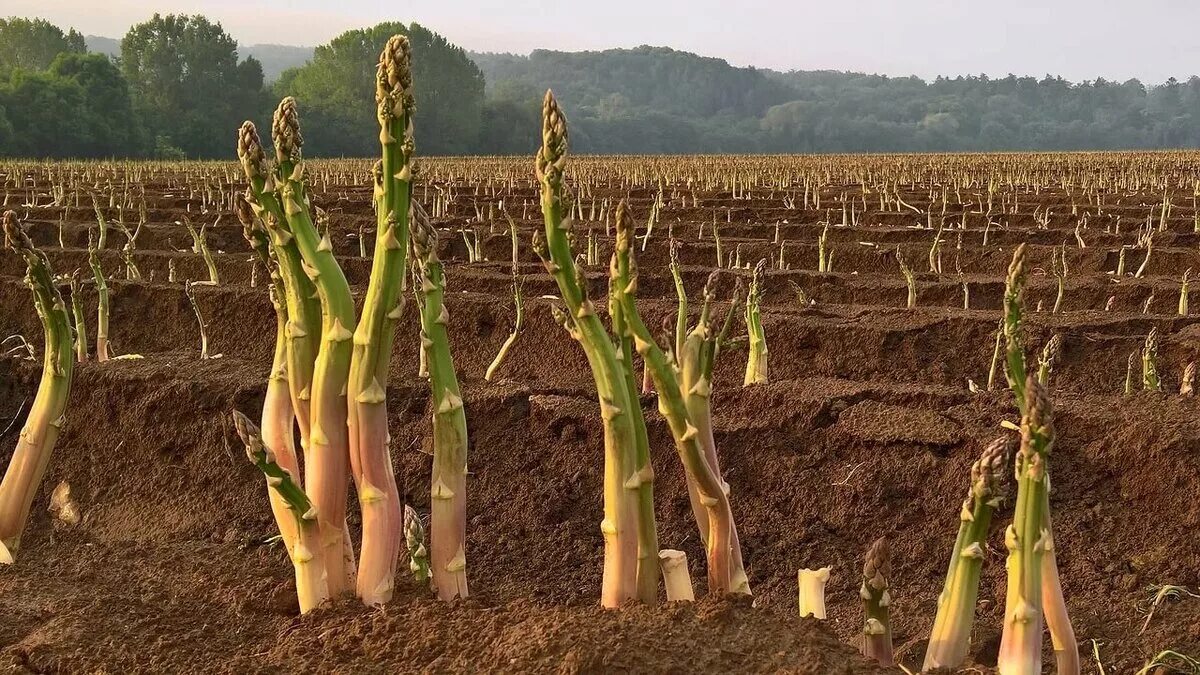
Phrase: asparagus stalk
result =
(1027, 539)
(1050, 354)
(519, 306)
(448, 484)
(81, 350)
(621, 275)
(1150, 381)
(877, 630)
(311, 586)
(328, 443)
(277, 413)
(756, 365)
(671, 404)
(47, 414)
(101, 303)
(303, 308)
(621, 479)
(1014, 352)
(951, 634)
(370, 458)
(676, 577)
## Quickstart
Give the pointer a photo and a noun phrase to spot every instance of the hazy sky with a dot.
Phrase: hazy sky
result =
(1078, 39)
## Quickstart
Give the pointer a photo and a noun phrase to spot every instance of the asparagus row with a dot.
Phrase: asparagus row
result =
(47, 414)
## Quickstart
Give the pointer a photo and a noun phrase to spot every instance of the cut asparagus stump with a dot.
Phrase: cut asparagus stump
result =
(47, 414)
(676, 577)
(811, 584)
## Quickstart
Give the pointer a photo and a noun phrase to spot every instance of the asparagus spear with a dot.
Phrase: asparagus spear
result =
(951, 634)
(1027, 539)
(311, 586)
(448, 484)
(621, 479)
(47, 414)
(101, 303)
(756, 365)
(326, 478)
(877, 629)
(370, 458)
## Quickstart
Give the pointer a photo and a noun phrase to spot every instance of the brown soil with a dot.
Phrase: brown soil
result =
(867, 429)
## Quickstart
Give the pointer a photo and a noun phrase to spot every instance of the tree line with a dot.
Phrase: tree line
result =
(178, 88)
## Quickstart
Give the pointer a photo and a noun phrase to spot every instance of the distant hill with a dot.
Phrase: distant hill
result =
(274, 58)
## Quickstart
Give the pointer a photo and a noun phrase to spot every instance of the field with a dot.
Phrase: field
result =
(872, 416)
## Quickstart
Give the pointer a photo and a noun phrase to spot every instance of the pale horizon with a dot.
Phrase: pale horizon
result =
(1076, 39)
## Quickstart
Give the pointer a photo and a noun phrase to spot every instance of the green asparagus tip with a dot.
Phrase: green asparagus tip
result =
(1016, 269)
(250, 151)
(424, 237)
(285, 131)
(878, 565)
(552, 156)
(988, 475)
(393, 81)
(13, 236)
(250, 435)
(1039, 418)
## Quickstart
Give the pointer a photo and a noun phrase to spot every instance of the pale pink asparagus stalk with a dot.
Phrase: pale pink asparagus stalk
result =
(47, 414)
(370, 456)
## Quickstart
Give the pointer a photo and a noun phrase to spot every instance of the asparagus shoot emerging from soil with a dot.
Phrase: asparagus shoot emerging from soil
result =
(47, 414)
(326, 479)
(1014, 296)
(910, 279)
(1050, 354)
(448, 483)
(877, 629)
(414, 540)
(277, 413)
(1027, 539)
(1187, 383)
(756, 365)
(620, 523)
(189, 292)
(81, 350)
(1150, 380)
(622, 283)
(811, 584)
(951, 634)
(518, 307)
(311, 587)
(370, 457)
(101, 302)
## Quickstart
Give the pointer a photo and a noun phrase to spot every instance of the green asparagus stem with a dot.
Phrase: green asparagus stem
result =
(277, 413)
(621, 478)
(326, 478)
(877, 629)
(414, 538)
(448, 483)
(81, 350)
(620, 276)
(370, 457)
(950, 638)
(101, 303)
(311, 586)
(711, 490)
(1014, 297)
(1027, 539)
(756, 365)
(47, 414)
(910, 279)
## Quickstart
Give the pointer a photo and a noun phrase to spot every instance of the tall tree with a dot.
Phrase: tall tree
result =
(32, 44)
(109, 121)
(336, 91)
(188, 87)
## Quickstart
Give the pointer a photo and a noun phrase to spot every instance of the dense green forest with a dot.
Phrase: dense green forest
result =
(177, 86)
